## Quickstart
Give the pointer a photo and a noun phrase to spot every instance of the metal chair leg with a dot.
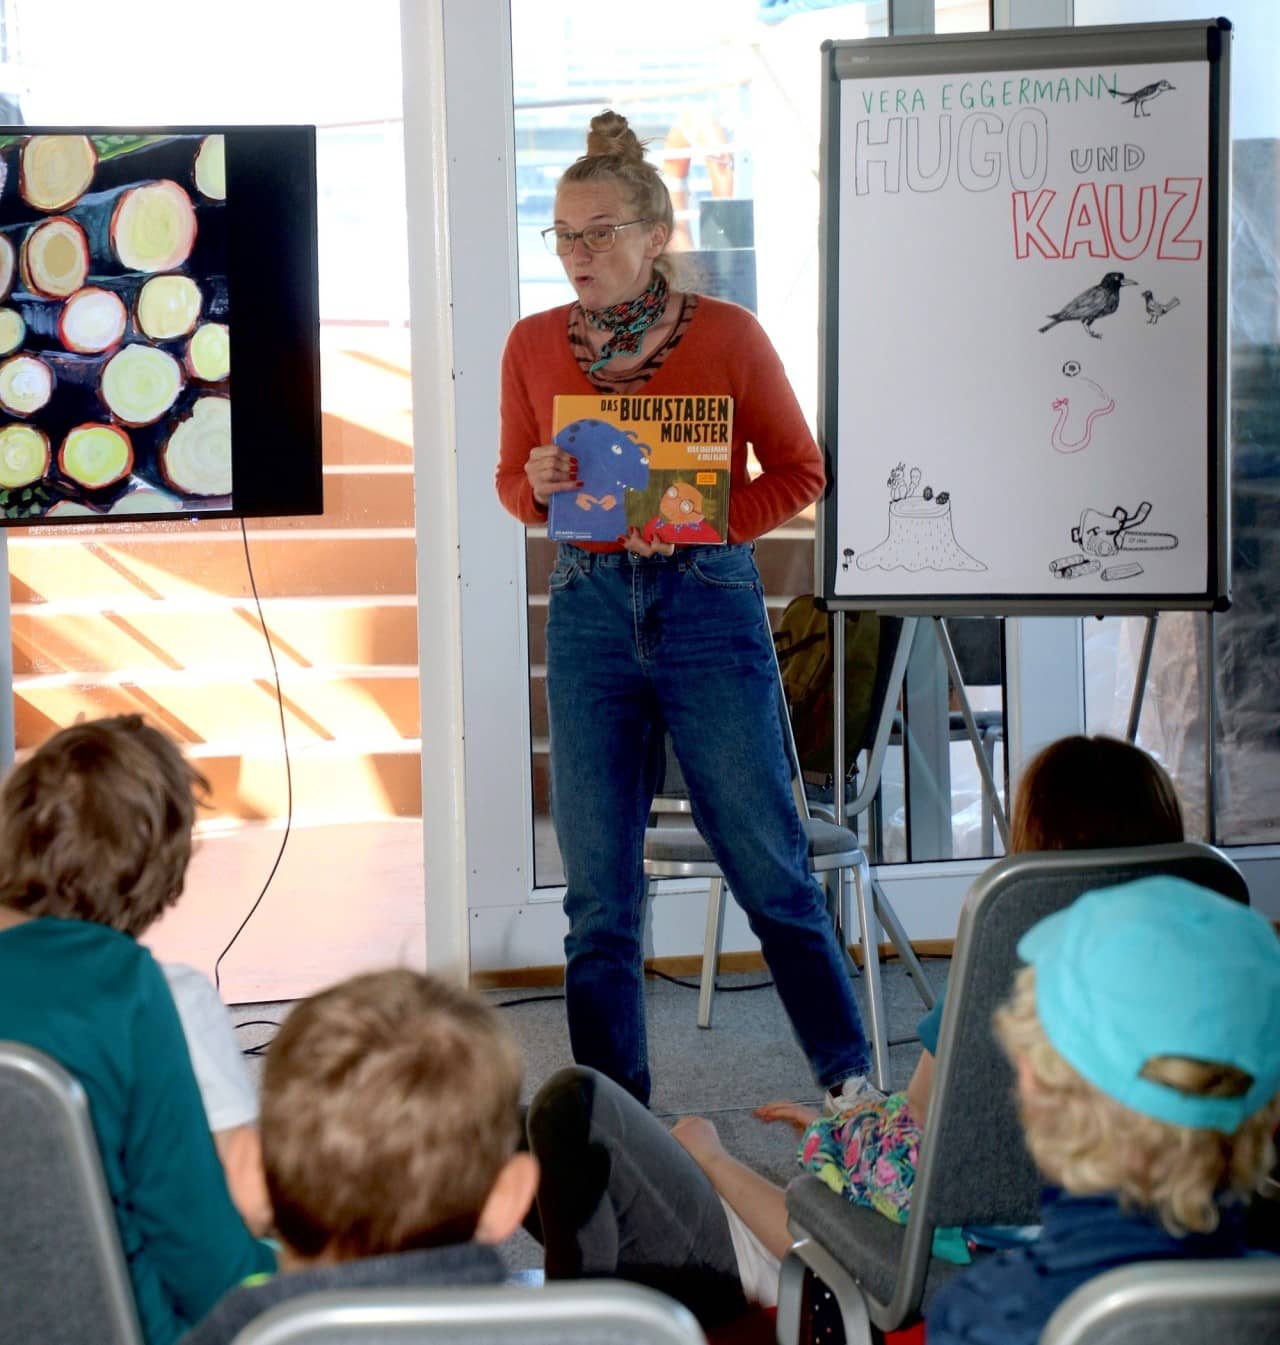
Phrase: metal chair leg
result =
(869, 932)
(808, 1255)
(711, 950)
(898, 937)
(840, 910)
(790, 1299)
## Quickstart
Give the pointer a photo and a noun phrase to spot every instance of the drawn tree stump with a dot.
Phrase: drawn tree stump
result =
(920, 538)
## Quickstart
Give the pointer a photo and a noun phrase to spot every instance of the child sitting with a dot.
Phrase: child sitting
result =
(95, 835)
(1145, 1034)
(390, 1121)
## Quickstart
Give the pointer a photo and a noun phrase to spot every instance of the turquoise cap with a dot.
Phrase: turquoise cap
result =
(1161, 967)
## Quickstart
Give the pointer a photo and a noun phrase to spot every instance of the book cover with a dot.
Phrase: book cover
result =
(658, 464)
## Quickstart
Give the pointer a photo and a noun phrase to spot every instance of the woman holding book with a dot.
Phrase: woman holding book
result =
(644, 636)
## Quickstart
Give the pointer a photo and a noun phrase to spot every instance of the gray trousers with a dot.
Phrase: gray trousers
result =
(620, 1198)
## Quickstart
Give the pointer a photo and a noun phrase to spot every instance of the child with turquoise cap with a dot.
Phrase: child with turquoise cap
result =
(1145, 1036)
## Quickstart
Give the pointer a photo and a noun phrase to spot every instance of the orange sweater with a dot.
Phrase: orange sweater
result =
(723, 351)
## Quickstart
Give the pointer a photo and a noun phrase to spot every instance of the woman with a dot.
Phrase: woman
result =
(620, 1197)
(643, 636)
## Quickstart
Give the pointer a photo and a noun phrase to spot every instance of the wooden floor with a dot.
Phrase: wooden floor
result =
(346, 898)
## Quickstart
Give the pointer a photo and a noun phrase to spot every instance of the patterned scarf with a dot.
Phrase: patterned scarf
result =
(628, 322)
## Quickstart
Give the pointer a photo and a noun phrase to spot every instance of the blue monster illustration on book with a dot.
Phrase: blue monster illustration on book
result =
(611, 461)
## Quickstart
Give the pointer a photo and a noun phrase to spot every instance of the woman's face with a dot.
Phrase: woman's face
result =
(602, 279)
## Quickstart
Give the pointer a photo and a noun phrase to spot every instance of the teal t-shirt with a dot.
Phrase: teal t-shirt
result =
(931, 1024)
(96, 1002)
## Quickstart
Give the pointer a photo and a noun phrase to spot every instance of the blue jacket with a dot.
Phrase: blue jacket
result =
(1007, 1298)
(456, 1267)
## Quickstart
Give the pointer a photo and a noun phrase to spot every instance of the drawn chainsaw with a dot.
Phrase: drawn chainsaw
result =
(1102, 534)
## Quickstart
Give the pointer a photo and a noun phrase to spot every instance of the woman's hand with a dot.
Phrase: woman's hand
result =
(699, 1138)
(636, 544)
(795, 1114)
(551, 470)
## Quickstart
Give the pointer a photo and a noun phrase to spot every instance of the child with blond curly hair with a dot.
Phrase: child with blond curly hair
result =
(1145, 1036)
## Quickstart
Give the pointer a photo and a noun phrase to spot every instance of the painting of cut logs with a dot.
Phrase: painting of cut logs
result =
(115, 367)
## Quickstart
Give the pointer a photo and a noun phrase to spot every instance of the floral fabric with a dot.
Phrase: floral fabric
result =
(867, 1154)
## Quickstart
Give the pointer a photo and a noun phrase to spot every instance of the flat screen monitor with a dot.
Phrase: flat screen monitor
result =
(159, 322)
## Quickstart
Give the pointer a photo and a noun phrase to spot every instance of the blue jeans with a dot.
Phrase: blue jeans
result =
(636, 645)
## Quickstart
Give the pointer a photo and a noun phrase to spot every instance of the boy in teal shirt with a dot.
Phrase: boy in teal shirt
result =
(96, 829)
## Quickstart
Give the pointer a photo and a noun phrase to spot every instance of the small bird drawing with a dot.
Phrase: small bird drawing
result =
(1140, 97)
(1099, 301)
(1155, 309)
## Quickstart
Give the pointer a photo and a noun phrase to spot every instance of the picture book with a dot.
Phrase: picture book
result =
(656, 464)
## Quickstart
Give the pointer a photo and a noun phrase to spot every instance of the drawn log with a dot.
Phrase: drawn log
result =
(96, 455)
(55, 170)
(153, 227)
(26, 384)
(13, 330)
(92, 320)
(197, 458)
(140, 383)
(54, 260)
(209, 352)
(168, 307)
(210, 169)
(24, 455)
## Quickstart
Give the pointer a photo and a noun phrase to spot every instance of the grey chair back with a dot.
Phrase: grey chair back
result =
(967, 1143)
(63, 1279)
(592, 1312)
(1174, 1303)
(973, 1167)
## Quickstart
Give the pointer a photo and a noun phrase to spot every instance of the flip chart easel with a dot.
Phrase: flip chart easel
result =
(1023, 318)
(1023, 382)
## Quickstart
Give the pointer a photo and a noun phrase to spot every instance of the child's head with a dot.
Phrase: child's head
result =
(1146, 1036)
(1093, 793)
(96, 825)
(390, 1118)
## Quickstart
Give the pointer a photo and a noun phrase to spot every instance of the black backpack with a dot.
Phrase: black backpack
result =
(804, 645)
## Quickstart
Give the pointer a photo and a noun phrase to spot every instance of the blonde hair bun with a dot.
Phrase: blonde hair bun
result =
(611, 135)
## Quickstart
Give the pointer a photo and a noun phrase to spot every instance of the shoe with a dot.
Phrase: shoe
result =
(855, 1090)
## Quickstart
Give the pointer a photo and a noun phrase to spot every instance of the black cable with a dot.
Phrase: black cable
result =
(720, 989)
(532, 999)
(258, 1047)
(288, 765)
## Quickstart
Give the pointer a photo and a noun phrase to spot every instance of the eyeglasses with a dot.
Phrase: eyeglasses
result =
(597, 237)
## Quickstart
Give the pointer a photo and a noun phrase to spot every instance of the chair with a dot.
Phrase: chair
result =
(679, 851)
(64, 1279)
(592, 1312)
(884, 1274)
(1173, 1303)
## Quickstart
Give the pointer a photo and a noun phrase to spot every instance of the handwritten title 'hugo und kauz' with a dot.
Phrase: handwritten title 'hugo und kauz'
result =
(963, 139)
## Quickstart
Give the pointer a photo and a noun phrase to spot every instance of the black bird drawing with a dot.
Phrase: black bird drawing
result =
(1099, 301)
(1142, 96)
(1155, 309)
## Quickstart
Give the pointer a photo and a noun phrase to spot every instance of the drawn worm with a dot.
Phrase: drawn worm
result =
(1062, 406)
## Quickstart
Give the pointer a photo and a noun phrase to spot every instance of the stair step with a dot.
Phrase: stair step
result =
(305, 633)
(301, 561)
(198, 708)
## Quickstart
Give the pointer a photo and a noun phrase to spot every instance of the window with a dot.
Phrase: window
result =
(160, 619)
(1232, 796)
(732, 113)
